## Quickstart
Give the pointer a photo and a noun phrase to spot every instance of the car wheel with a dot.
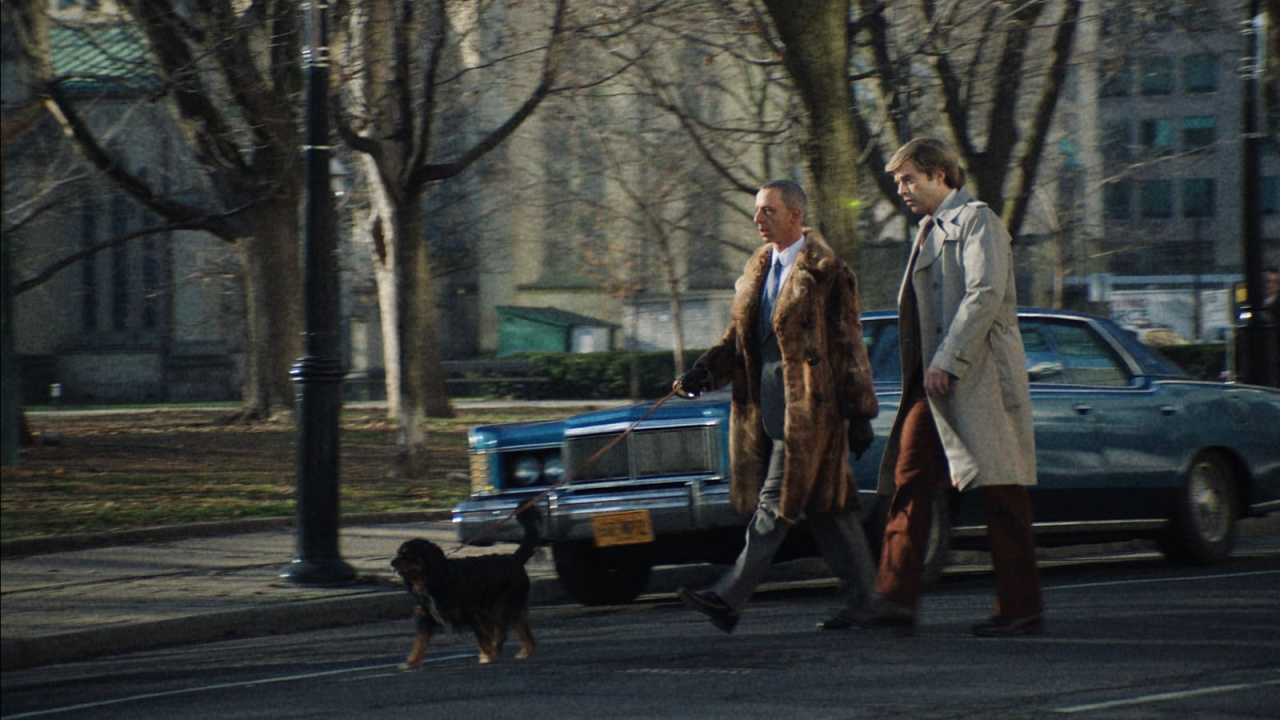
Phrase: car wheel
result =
(1202, 526)
(937, 554)
(600, 576)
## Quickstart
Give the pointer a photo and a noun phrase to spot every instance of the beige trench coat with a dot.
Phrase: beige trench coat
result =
(959, 288)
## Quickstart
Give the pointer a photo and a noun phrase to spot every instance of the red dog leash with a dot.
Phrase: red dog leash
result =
(490, 529)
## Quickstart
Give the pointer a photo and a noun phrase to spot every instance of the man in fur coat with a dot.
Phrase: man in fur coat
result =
(802, 399)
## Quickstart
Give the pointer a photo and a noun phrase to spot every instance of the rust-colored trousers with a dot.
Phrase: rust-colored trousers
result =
(921, 470)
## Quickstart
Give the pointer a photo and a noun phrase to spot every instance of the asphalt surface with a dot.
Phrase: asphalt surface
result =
(74, 597)
(68, 598)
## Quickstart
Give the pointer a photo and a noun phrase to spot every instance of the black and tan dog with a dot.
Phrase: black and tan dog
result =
(487, 593)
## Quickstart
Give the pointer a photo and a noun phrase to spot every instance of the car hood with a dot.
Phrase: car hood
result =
(505, 435)
(710, 407)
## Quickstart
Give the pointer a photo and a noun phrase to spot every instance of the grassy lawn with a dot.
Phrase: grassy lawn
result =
(147, 467)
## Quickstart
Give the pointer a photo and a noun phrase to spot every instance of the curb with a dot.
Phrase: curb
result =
(355, 607)
(303, 615)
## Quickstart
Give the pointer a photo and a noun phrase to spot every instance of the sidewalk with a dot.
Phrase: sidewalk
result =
(67, 599)
(85, 599)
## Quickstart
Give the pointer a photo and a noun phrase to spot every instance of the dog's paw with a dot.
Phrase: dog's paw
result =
(486, 659)
(407, 666)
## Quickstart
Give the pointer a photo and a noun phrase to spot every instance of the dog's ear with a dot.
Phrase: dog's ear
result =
(434, 558)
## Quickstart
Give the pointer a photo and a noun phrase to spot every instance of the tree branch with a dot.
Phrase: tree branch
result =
(1025, 175)
(424, 173)
(75, 127)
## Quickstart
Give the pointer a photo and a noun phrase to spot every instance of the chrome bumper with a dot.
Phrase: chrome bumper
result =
(567, 513)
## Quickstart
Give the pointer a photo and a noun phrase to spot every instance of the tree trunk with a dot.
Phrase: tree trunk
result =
(273, 309)
(815, 33)
(415, 379)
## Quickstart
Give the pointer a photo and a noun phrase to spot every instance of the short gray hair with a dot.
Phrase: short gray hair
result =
(792, 194)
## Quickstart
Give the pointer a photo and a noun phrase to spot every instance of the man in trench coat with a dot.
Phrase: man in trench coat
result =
(802, 398)
(965, 415)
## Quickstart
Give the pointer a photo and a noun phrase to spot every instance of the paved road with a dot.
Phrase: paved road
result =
(1127, 638)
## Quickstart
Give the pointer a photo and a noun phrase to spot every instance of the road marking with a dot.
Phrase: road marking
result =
(1114, 583)
(220, 686)
(1163, 697)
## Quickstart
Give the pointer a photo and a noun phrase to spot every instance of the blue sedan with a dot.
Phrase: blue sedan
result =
(1127, 446)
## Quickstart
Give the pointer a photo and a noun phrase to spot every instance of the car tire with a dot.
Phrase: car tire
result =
(937, 554)
(600, 576)
(1202, 524)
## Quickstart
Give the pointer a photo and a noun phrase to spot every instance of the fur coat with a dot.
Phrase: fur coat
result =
(826, 378)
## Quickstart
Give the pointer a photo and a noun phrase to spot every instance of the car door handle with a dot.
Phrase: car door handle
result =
(1083, 409)
(1167, 410)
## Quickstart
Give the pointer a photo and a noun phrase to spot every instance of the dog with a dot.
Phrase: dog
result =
(487, 593)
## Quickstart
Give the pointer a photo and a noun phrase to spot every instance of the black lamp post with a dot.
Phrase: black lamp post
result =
(318, 373)
(1257, 353)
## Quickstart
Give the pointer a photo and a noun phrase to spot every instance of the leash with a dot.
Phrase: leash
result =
(490, 529)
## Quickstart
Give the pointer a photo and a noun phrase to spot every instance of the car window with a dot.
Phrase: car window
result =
(1043, 364)
(1085, 357)
(881, 337)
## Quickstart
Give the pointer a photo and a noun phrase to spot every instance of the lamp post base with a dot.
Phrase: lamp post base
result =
(318, 572)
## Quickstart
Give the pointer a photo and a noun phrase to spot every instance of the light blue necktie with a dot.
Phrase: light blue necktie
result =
(770, 296)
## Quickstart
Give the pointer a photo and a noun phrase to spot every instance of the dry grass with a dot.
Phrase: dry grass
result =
(160, 467)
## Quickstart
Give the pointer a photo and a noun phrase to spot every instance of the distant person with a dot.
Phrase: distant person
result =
(802, 399)
(1271, 303)
(965, 416)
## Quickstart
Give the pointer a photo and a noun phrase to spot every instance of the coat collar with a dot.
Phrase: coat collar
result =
(816, 259)
(946, 226)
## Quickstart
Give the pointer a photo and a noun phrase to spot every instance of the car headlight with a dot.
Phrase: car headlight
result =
(553, 469)
(526, 471)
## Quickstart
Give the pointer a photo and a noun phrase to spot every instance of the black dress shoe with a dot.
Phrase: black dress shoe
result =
(710, 604)
(1010, 627)
(881, 612)
(842, 620)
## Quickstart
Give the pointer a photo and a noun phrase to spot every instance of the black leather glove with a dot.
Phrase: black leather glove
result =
(860, 436)
(694, 382)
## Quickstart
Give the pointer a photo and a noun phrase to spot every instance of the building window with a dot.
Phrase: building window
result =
(1157, 136)
(1198, 16)
(1156, 199)
(1157, 76)
(1198, 132)
(121, 277)
(150, 285)
(88, 269)
(1116, 200)
(1162, 15)
(1270, 195)
(1116, 139)
(1114, 79)
(1200, 73)
(1198, 197)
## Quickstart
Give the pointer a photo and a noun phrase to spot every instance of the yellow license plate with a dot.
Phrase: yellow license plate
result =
(631, 527)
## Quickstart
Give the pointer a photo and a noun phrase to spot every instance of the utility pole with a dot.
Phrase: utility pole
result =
(318, 373)
(1258, 356)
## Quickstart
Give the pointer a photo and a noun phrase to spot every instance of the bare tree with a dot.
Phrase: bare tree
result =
(230, 74)
(986, 76)
(399, 62)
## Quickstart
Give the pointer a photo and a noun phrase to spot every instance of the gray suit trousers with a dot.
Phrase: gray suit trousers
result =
(839, 537)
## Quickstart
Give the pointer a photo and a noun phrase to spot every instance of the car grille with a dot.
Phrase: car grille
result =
(644, 454)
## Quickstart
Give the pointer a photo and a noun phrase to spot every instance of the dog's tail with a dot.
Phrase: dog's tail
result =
(529, 520)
